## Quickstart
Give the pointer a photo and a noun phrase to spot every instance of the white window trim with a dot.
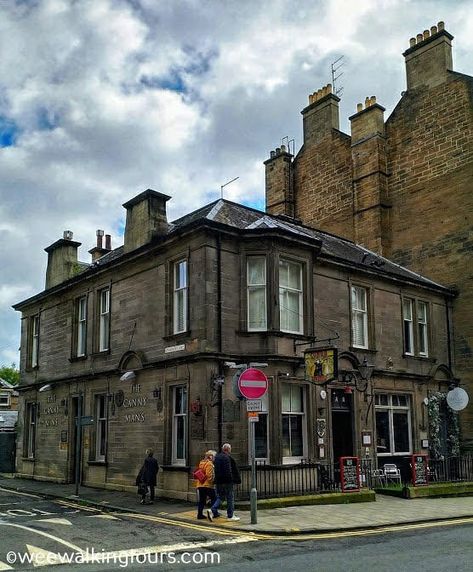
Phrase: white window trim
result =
(408, 303)
(364, 313)
(297, 459)
(3, 395)
(31, 416)
(35, 341)
(250, 287)
(176, 291)
(301, 298)
(175, 416)
(425, 329)
(104, 320)
(100, 426)
(390, 409)
(81, 326)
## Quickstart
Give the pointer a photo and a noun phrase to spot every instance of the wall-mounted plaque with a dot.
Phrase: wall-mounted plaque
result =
(197, 427)
(321, 427)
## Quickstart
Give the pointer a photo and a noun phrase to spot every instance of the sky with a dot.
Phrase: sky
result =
(102, 99)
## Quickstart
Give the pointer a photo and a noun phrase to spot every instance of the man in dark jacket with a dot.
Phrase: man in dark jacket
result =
(226, 475)
(147, 476)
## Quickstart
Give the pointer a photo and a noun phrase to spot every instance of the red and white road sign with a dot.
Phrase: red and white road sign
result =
(253, 383)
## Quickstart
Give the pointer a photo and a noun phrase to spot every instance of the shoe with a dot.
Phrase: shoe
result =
(210, 515)
(142, 501)
(233, 518)
(201, 517)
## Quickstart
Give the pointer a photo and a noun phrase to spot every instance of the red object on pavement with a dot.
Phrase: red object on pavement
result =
(253, 383)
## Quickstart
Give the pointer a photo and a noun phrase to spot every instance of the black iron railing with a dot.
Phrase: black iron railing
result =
(451, 469)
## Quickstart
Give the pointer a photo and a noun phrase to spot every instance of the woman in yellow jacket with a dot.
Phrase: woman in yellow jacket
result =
(205, 485)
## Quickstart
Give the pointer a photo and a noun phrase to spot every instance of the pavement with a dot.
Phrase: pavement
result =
(387, 511)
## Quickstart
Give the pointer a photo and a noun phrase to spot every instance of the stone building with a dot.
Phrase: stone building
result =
(401, 186)
(148, 338)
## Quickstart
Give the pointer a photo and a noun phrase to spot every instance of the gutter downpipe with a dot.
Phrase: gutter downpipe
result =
(219, 338)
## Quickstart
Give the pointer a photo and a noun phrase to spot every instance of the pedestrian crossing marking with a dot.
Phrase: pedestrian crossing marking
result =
(56, 521)
(41, 557)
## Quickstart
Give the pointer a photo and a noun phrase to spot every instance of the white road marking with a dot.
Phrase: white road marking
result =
(42, 533)
(4, 566)
(56, 521)
(18, 493)
(104, 516)
(41, 557)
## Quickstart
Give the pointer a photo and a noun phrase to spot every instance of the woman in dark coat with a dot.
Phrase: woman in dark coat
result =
(147, 477)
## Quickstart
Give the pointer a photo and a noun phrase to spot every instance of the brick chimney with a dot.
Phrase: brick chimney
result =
(429, 57)
(145, 218)
(321, 115)
(99, 250)
(62, 260)
(370, 185)
(279, 183)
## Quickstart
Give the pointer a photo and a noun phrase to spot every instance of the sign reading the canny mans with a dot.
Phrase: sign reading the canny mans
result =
(321, 364)
(133, 403)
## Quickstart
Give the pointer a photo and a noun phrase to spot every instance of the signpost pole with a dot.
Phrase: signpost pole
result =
(253, 492)
(78, 442)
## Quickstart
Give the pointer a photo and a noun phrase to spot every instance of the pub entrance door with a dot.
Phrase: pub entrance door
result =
(342, 424)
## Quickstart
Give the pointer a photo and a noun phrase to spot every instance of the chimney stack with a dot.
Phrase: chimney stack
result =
(429, 57)
(62, 260)
(321, 115)
(99, 250)
(279, 183)
(145, 218)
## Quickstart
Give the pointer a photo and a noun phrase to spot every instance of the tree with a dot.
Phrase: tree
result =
(10, 374)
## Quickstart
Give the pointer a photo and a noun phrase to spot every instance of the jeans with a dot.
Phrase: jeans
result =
(224, 491)
(204, 493)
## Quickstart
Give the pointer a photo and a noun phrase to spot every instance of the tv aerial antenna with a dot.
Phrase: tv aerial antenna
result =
(336, 74)
(225, 184)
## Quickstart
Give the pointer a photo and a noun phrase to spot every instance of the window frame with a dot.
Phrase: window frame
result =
(295, 459)
(101, 427)
(287, 288)
(177, 290)
(7, 395)
(424, 336)
(391, 409)
(365, 314)
(104, 321)
(80, 326)
(33, 341)
(253, 287)
(420, 330)
(175, 416)
(408, 303)
(31, 417)
(263, 413)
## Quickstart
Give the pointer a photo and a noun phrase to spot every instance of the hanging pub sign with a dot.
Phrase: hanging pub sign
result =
(420, 472)
(321, 364)
(350, 474)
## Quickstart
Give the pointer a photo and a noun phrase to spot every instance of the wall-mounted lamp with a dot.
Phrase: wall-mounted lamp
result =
(128, 376)
(46, 387)
(357, 378)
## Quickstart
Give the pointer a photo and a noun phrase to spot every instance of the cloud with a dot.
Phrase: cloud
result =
(101, 100)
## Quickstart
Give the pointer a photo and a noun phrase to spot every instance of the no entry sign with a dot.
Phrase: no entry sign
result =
(253, 383)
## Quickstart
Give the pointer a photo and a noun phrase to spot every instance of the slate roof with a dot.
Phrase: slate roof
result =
(243, 219)
(8, 420)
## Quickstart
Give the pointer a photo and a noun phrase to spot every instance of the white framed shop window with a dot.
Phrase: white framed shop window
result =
(294, 423)
(393, 424)
(179, 425)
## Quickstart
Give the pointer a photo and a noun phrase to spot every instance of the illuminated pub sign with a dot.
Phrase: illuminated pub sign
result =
(321, 365)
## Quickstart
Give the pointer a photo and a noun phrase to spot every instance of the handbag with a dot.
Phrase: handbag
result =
(142, 489)
(199, 475)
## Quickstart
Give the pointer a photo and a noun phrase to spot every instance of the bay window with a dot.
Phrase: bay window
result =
(256, 293)
(290, 297)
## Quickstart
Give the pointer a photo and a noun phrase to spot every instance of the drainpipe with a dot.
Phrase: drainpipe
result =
(449, 340)
(219, 338)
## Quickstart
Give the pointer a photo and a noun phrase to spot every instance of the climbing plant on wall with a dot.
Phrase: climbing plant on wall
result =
(437, 402)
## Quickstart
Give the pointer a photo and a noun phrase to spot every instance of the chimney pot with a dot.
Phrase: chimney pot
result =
(433, 30)
(99, 235)
(311, 99)
(372, 99)
(426, 34)
(283, 148)
(367, 102)
(420, 38)
(329, 88)
(359, 107)
(412, 42)
(108, 242)
(67, 235)
(272, 154)
(441, 26)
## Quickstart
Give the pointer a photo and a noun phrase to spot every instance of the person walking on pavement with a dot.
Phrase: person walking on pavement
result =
(226, 475)
(147, 477)
(205, 482)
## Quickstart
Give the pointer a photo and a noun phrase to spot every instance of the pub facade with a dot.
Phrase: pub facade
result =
(146, 342)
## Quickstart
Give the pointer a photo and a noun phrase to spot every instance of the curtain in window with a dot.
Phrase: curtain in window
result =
(359, 319)
(290, 296)
(256, 287)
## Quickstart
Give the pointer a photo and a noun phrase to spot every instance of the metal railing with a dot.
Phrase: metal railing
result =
(451, 469)
(305, 478)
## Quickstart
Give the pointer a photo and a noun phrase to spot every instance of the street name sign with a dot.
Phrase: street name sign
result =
(253, 383)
